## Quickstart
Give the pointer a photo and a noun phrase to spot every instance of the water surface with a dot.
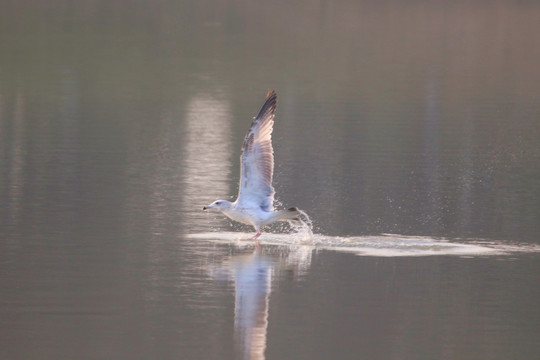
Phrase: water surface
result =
(119, 121)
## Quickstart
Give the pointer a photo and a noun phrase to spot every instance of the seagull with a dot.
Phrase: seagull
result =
(255, 202)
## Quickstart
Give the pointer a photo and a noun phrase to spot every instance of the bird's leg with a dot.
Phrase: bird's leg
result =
(257, 234)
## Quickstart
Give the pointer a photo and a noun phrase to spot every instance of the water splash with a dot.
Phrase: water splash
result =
(303, 227)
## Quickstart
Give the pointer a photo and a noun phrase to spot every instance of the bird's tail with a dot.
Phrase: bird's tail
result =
(289, 214)
(298, 220)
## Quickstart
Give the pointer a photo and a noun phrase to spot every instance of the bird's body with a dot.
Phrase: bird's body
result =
(255, 203)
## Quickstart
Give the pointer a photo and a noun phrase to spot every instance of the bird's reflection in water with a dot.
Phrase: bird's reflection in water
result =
(253, 284)
(252, 274)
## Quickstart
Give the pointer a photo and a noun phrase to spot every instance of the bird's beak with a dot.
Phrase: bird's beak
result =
(204, 208)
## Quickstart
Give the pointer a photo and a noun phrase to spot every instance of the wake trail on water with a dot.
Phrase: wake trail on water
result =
(383, 245)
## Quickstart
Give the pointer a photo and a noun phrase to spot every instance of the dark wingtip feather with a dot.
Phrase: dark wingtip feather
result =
(265, 115)
(269, 106)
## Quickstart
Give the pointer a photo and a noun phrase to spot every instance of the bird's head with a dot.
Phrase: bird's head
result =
(218, 205)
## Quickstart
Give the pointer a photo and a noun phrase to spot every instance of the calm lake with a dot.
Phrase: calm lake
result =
(409, 131)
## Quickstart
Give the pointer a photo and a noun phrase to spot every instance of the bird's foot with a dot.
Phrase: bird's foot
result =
(256, 235)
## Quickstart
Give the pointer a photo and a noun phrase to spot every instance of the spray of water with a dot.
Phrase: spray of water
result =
(302, 228)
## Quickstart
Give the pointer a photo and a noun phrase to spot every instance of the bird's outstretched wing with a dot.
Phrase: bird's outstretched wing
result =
(257, 160)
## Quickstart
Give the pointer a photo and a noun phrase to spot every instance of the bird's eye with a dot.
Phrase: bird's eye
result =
(218, 202)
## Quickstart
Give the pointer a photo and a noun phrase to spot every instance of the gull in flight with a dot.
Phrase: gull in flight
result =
(255, 203)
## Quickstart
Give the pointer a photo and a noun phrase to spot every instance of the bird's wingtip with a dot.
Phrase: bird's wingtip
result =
(268, 108)
(270, 93)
